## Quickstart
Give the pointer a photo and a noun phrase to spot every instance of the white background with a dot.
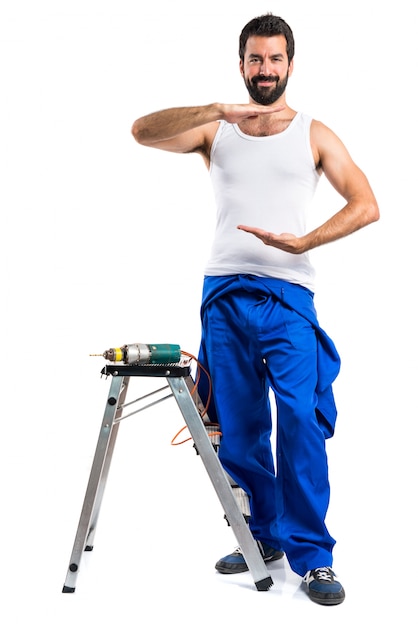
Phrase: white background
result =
(104, 243)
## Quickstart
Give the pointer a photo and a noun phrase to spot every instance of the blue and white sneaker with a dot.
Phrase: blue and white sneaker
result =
(323, 587)
(234, 563)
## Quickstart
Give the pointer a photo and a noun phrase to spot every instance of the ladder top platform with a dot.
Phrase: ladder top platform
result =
(165, 370)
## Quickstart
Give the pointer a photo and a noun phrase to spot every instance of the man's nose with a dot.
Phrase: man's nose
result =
(265, 67)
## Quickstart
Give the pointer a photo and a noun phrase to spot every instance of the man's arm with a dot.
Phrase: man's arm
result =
(346, 177)
(182, 129)
(192, 129)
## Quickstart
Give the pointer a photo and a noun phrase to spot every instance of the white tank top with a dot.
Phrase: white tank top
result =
(267, 182)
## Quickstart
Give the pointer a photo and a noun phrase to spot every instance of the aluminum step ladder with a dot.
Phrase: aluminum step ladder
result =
(180, 384)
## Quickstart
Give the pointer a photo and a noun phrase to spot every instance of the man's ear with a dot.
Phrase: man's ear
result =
(291, 67)
(241, 67)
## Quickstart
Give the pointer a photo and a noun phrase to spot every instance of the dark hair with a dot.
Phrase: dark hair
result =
(267, 25)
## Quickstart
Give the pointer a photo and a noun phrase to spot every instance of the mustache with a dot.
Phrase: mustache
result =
(262, 79)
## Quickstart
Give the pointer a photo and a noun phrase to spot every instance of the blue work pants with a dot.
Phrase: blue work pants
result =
(254, 343)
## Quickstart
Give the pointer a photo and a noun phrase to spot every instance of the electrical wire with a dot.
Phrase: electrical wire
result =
(199, 370)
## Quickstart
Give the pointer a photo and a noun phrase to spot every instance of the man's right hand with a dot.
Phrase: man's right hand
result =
(236, 113)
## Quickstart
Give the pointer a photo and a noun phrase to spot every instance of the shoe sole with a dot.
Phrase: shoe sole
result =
(327, 601)
(235, 568)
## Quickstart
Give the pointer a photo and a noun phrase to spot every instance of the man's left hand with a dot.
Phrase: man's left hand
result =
(284, 241)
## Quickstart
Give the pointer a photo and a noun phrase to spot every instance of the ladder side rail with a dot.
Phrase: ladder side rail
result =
(221, 484)
(121, 390)
(97, 480)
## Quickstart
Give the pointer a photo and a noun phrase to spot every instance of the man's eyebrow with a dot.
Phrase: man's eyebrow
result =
(259, 56)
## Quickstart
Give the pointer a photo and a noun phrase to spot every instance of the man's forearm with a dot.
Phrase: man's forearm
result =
(168, 123)
(351, 218)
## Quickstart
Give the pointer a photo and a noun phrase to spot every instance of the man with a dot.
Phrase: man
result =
(259, 325)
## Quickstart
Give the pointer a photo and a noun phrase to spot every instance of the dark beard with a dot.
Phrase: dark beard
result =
(266, 95)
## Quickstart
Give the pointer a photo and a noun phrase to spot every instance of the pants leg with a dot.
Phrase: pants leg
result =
(240, 392)
(302, 486)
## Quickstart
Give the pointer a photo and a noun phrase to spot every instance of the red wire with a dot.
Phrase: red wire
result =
(193, 390)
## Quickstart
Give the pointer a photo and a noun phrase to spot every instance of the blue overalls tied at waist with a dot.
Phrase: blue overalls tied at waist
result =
(298, 299)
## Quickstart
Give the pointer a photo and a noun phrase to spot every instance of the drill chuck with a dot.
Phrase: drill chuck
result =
(144, 353)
